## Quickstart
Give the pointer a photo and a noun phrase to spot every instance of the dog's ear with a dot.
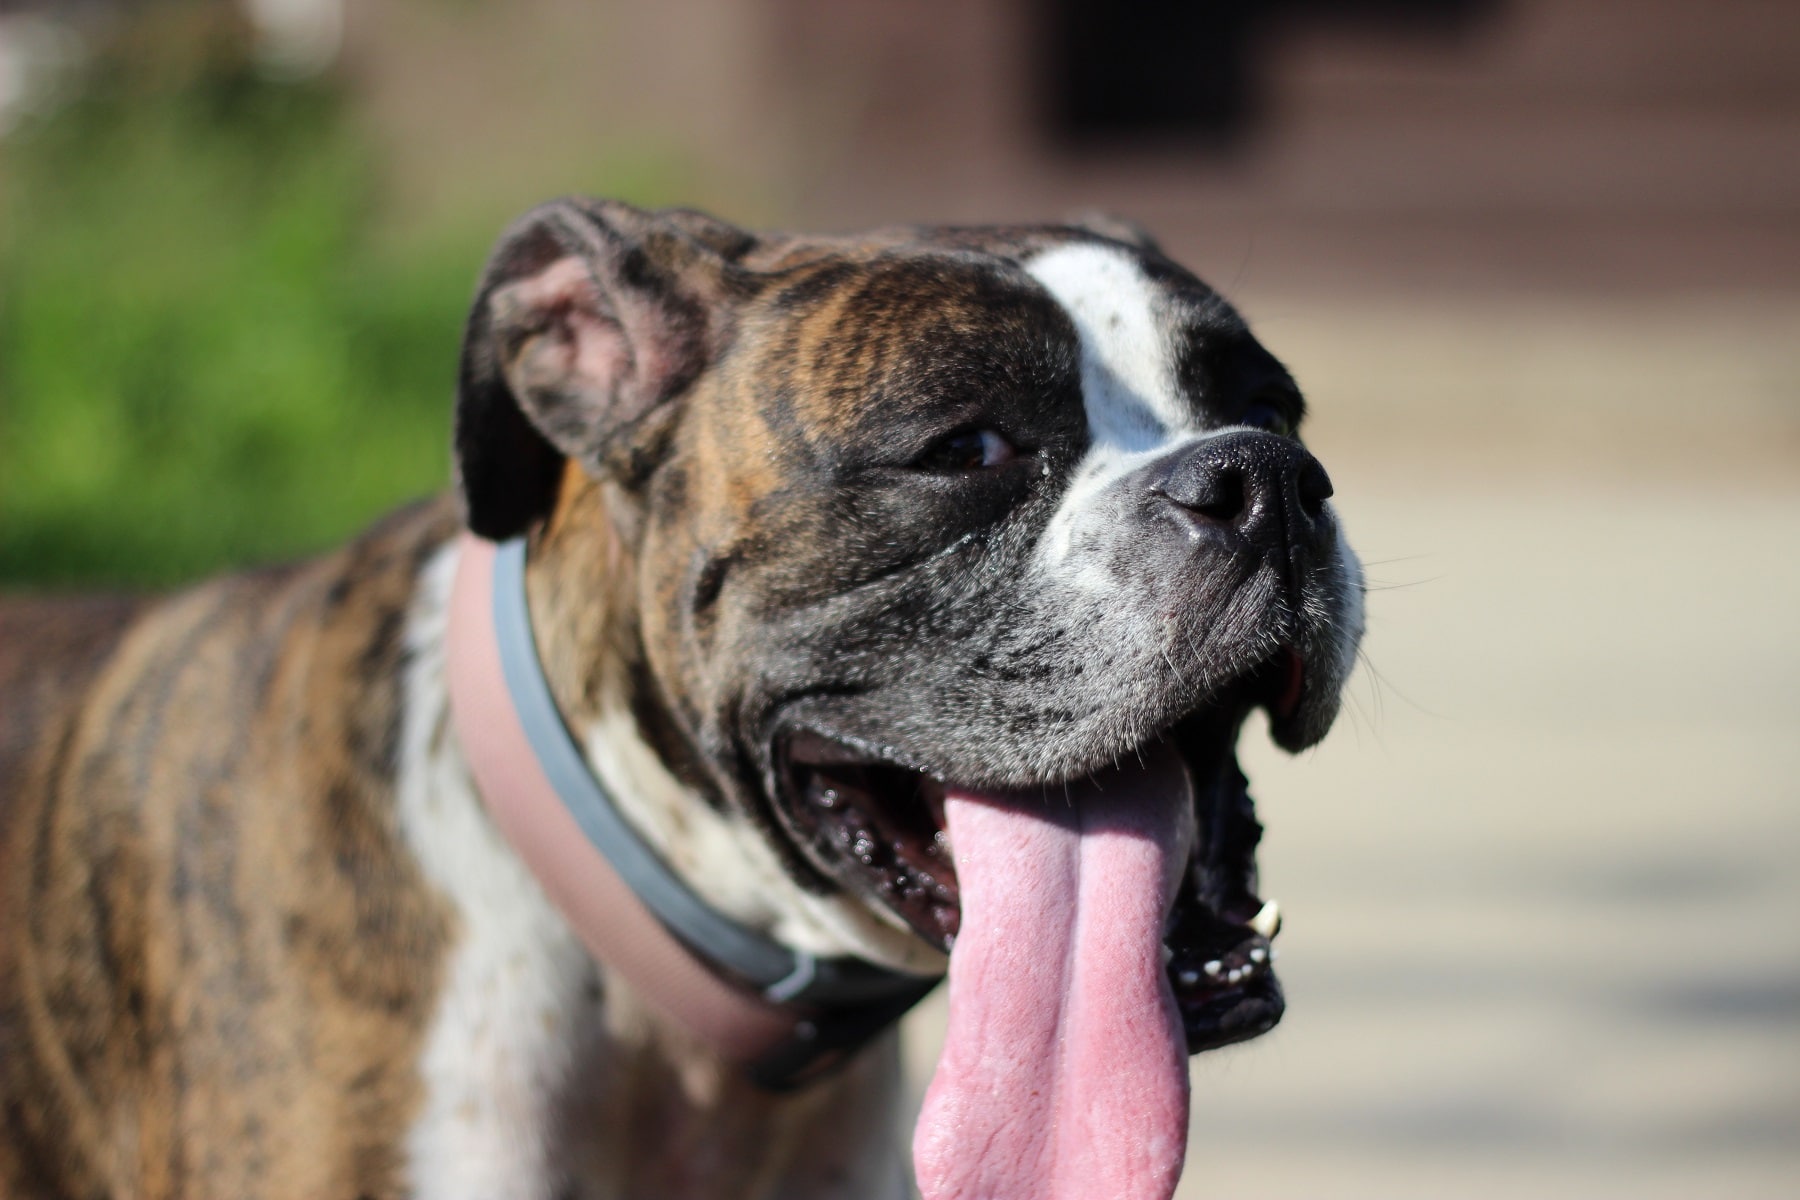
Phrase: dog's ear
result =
(591, 317)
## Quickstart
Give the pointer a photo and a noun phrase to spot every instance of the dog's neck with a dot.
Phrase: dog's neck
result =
(543, 1071)
(581, 582)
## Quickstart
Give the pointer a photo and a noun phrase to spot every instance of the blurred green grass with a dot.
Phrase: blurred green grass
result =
(203, 358)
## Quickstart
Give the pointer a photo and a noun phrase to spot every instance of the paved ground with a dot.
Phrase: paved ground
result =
(1542, 884)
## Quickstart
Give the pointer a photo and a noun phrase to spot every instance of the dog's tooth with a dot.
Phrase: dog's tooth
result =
(1187, 977)
(1267, 920)
(1258, 954)
(1213, 968)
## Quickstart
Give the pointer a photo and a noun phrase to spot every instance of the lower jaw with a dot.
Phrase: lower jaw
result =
(1235, 1016)
(1224, 995)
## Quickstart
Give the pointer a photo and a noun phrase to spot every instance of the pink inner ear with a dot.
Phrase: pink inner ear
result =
(573, 345)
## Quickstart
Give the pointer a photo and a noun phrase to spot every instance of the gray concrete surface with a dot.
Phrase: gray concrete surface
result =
(1542, 883)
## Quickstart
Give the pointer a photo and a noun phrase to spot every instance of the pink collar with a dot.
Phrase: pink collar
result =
(784, 1016)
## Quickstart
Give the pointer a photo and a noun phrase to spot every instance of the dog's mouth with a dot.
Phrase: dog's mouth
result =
(882, 829)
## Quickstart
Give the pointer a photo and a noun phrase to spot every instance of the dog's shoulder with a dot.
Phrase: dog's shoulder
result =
(119, 681)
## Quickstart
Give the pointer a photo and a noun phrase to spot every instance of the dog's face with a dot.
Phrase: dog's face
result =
(931, 510)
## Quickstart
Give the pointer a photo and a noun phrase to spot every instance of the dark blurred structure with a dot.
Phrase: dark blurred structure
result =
(1138, 70)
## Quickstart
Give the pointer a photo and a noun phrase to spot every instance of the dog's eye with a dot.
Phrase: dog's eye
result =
(1267, 416)
(966, 450)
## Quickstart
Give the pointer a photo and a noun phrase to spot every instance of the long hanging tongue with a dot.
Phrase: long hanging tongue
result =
(1064, 1070)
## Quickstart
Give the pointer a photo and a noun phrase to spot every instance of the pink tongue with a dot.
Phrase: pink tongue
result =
(1064, 1071)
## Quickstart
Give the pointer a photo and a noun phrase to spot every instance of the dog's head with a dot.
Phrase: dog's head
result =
(926, 513)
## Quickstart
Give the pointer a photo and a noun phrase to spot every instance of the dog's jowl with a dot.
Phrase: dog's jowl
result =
(813, 617)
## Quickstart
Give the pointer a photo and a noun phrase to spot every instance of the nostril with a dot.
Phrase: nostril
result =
(1217, 494)
(1314, 486)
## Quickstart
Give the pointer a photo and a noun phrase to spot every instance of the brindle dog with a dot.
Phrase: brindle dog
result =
(841, 549)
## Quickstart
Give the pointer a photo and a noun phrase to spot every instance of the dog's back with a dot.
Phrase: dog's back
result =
(51, 647)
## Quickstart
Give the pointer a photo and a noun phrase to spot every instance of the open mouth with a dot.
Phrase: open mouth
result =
(881, 828)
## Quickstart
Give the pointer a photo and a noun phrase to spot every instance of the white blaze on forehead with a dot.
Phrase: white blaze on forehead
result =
(1135, 410)
(1127, 370)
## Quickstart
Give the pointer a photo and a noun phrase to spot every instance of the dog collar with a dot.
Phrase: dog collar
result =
(787, 1017)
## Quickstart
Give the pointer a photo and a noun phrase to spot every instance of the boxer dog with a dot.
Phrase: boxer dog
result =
(814, 616)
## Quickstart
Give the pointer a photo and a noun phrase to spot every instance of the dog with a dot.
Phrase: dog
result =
(812, 617)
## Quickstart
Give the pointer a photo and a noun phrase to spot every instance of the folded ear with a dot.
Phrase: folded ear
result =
(590, 319)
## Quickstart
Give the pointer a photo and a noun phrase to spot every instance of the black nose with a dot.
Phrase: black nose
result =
(1267, 489)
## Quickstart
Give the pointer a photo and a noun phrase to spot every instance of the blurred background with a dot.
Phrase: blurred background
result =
(1536, 263)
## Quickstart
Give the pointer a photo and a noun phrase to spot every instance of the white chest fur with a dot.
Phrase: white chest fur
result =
(540, 1082)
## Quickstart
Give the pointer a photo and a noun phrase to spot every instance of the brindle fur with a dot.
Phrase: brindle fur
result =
(214, 957)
